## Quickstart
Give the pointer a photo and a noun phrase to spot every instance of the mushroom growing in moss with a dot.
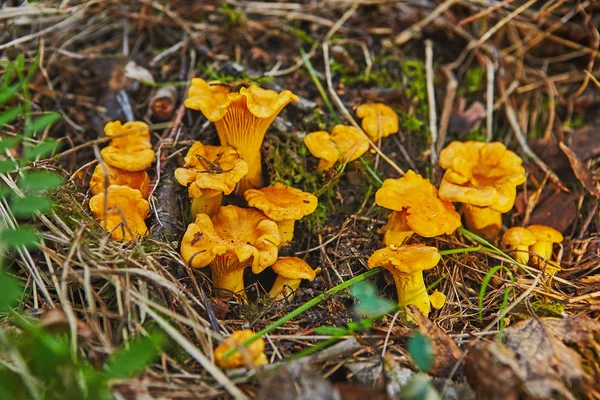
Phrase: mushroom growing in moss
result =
(241, 119)
(484, 177)
(406, 263)
(378, 120)
(130, 149)
(284, 205)
(519, 239)
(136, 180)
(210, 172)
(236, 238)
(416, 208)
(344, 144)
(251, 355)
(122, 211)
(290, 273)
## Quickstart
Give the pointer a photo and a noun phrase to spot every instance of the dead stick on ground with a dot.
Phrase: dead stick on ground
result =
(340, 105)
(409, 33)
(451, 87)
(489, 99)
(431, 99)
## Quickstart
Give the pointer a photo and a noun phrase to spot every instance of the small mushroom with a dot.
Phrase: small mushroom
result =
(234, 239)
(284, 205)
(546, 236)
(416, 208)
(210, 172)
(290, 273)
(130, 149)
(519, 239)
(344, 144)
(484, 177)
(378, 120)
(437, 299)
(122, 212)
(241, 119)
(250, 355)
(136, 180)
(406, 264)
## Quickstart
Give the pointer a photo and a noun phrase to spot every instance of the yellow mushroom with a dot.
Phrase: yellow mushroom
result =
(378, 120)
(344, 144)
(136, 180)
(210, 172)
(519, 239)
(130, 149)
(250, 355)
(546, 236)
(406, 263)
(416, 208)
(241, 119)
(122, 212)
(437, 299)
(484, 177)
(290, 273)
(234, 239)
(284, 205)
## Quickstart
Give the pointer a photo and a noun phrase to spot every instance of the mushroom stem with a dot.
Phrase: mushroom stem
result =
(282, 287)
(543, 252)
(206, 204)
(227, 277)
(411, 290)
(324, 165)
(286, 230)
(483, 221)
(521, 254)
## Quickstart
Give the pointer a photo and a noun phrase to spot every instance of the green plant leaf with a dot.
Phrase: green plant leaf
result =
(28, 206)
(10, 115)
(331, 330)
(8, 143)
(369, 303)
(40, 180)
(421, 351)
(127, 362)
(13, 238)
(8, 93)
(41, 150)
(5, 192)
(7, 166)
(10, 291)
(42, 122)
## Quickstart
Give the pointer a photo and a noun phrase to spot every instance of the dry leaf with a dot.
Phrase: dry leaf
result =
(558, 210)
(581, 171)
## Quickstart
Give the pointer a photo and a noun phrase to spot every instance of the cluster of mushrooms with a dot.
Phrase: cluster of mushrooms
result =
(120, 183)
(483, 177)
(229, 238)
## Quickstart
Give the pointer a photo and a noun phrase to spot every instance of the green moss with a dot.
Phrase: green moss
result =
(302, 35)
(235, 18)
(473, 81)
(209, 73)
(545, 309)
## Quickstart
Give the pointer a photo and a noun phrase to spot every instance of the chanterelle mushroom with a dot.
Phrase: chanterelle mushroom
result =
(136, 180)
(122, 213)
(130, 149)
(406, 264)
(210, 172)
(378, 120)
(236, 238)
(290, 272)
(252, 355)
(241, 119)
(484, 177)
(519, 239)
(545, 236)
(284, 205)
(416, 208)
(344, 144)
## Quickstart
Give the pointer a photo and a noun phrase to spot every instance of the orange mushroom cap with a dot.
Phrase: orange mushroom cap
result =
(136, 180)
(545, 233)
(425, 212)
(123, 212)
(350, 143)
(251, 354)
(294, 268)
(481, 174)
(517, 236)
(280, 202)
(241, 119)
(130, 149)
(378, 120)
(211, 168)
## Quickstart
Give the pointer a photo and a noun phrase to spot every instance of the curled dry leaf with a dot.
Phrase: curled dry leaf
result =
(581, 172)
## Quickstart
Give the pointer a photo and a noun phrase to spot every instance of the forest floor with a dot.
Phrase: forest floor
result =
(521, 73)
